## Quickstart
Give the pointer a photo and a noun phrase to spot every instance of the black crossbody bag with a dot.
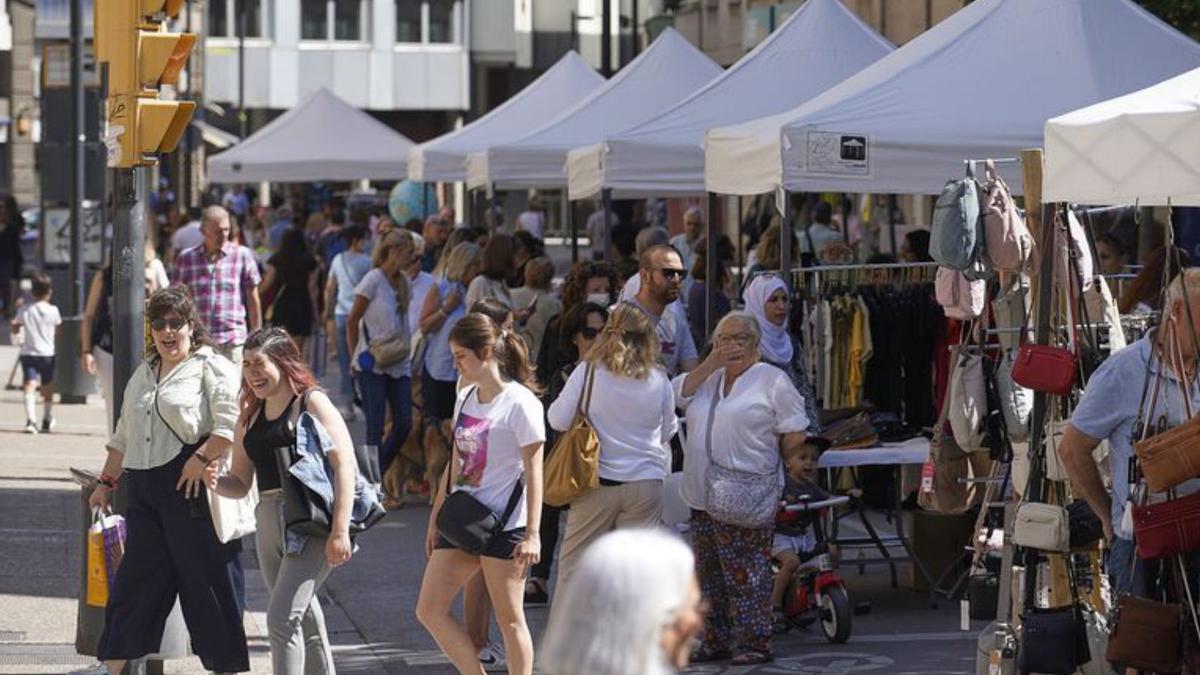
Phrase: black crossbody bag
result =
(466, 522)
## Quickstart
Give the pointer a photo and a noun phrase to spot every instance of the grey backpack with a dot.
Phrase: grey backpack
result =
(957, 238)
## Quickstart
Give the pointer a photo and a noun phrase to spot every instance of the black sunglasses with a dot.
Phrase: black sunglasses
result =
(672, 272)
(162, 324)
(589, 333)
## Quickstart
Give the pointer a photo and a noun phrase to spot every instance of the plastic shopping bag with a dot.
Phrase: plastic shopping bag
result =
(105, 548)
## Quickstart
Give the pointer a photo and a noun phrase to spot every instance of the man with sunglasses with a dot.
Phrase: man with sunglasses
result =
(223, 278)
(661, 272)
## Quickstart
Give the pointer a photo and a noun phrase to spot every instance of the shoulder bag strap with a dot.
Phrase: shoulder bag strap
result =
(513, 500)
(453, 448)
(585, 397)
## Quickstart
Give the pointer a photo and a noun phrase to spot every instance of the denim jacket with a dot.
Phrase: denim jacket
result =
(314, 471)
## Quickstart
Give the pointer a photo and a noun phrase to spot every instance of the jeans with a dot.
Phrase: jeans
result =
(343, 356)
(379, 390)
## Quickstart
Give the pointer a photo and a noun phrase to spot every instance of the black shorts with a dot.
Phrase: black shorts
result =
(501, 546)
(39, 368)
(438, 396)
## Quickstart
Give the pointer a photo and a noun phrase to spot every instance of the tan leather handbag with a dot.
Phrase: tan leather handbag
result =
(1173, 456)
(573, 467)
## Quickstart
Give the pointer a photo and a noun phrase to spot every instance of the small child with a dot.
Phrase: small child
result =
(39, 321)
(797, 537)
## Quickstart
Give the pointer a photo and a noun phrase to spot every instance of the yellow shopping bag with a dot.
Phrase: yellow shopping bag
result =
(97, 579)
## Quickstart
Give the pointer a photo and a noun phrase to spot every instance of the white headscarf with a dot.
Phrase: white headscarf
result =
(776, 344)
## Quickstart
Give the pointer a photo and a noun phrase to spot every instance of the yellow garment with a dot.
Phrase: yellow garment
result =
(855, 384)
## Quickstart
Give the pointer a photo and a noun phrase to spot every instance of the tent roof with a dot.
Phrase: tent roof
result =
(979, 84)
(1142, 147)
(668, 70)
(444, 158)
(820, 44)
(323, 138)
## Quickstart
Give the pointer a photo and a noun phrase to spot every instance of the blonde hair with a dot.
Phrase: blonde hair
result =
(627, 346)
(461, 259)
(391, 240)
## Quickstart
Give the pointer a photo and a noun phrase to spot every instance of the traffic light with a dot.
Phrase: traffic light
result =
(131, 37)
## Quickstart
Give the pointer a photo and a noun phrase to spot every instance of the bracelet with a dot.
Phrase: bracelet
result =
(202, 458)
(107, 481)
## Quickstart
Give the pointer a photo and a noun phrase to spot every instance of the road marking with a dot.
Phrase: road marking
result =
(828, 663)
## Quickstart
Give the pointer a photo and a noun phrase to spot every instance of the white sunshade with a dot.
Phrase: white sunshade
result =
(1143, 147)
(821, 44)
(669, 70)
(981, 83)
(323, 138)
(444, 158)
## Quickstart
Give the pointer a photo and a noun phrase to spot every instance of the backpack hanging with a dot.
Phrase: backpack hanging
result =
(1009, 245)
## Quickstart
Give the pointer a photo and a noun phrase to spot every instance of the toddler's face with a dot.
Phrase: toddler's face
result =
(802, 465)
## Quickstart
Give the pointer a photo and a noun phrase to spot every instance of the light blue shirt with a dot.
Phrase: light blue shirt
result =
(348, 268)
(1109, 407)
(438, 359)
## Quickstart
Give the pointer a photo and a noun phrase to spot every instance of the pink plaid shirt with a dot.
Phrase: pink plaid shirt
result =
(220, 288)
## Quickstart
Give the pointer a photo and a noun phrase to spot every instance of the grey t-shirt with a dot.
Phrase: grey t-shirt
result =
(674, 338)
(1109, 407)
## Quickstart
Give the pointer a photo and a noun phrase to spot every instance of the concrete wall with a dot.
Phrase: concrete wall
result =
(22, 148)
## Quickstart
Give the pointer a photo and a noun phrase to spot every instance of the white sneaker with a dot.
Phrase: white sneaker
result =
(491, 657)
(31, 427)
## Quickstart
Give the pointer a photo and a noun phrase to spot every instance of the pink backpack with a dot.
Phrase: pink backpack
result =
(959, 297)
(1010, 246)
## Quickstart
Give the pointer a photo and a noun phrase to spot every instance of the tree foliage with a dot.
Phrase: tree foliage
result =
(1184, 15)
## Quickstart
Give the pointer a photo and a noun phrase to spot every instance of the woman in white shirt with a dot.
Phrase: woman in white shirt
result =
(632, 410)
(498, 436)
(378, 316)
(743, 413)
(179, 416)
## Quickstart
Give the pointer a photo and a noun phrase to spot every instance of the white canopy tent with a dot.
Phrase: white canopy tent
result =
(323, 138)
(1143, 147)
(821, 44)
(979, 84)
(444, 158)
(670, 69)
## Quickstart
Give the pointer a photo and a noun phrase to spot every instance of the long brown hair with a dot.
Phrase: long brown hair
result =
(478, 332)
(1147, 286)
(278, 346)
(177, 299)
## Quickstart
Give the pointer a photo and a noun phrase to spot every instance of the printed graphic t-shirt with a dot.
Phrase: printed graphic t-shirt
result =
(488, 438)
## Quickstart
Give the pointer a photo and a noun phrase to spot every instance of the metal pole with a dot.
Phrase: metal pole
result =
(189, 143)
(606, 204)
(573, 231)
(77, 117)
(606, 39)
(711, 261)
(741, 249)
(891, 221)
(635, 20)
(785, 241)
(129, 283)
(241, 31)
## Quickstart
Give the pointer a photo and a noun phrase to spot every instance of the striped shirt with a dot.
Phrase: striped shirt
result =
(220, 287)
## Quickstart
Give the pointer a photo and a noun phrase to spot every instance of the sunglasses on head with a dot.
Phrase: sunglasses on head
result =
(163, 324)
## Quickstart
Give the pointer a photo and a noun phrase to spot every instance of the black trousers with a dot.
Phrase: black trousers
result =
(172, 550)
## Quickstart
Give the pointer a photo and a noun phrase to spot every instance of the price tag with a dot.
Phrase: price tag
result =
(927, 477)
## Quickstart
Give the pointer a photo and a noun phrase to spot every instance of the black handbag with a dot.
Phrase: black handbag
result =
(1085, 525)
(1053, 641)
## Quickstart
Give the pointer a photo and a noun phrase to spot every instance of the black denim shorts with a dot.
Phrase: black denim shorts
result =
(501, 546)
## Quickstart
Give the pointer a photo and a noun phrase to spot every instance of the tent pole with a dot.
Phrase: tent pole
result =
(785, 241)
(606, 204)
(568, 215)
(741, 251)
(891, 221)
(710, 267)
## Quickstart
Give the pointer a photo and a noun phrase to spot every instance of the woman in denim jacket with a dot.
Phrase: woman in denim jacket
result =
(277, 387)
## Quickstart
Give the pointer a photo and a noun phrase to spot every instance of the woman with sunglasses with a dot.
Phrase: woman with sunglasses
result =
(632, 410)
(178, 417)
(580, 326)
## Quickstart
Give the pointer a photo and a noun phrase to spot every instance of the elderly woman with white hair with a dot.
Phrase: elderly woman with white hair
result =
(632, 610)
(768, 300)
(742, 415)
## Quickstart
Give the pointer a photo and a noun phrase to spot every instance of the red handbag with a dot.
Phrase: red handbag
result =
(1166, 529)
(1047, 369)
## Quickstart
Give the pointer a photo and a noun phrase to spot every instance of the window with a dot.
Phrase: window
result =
(441, 20)
(408, 20)
(223, 18)
(314, 20)
(346, 22)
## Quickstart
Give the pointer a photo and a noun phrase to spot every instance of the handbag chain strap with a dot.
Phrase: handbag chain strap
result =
(712, 413)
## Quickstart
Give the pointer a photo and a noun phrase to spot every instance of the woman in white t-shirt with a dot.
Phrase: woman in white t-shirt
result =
(498, 436)
(744, 413)
(378, 316)
(533, 218)
(632, 409)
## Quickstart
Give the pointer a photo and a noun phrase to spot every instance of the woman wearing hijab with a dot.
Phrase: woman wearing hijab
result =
(768, 300)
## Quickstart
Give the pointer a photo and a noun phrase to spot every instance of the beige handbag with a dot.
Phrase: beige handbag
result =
(1045, 527)
(968, 400)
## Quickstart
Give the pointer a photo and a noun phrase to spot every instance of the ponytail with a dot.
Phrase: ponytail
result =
(478, 332)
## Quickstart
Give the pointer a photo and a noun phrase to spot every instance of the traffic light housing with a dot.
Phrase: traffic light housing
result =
(131, 37)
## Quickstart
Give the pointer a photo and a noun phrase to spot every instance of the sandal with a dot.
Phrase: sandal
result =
(706, 655)
(752, 658)
(779, 622)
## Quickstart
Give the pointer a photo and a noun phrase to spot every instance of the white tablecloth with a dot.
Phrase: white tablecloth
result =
(912, 451)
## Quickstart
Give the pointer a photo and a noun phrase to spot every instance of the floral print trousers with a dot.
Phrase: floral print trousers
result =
(734, 567)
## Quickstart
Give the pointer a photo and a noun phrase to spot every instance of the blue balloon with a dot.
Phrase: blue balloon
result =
(406, 202)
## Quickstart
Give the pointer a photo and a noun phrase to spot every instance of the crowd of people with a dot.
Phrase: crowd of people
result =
(467, 365)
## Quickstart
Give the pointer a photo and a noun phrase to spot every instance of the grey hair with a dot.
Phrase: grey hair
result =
(629, 585)
(651, 236)
(746, 319)
(214, 214)
(694, 211)
(1190, 276)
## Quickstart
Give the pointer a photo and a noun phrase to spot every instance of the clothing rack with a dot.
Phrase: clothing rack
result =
(970, 163)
